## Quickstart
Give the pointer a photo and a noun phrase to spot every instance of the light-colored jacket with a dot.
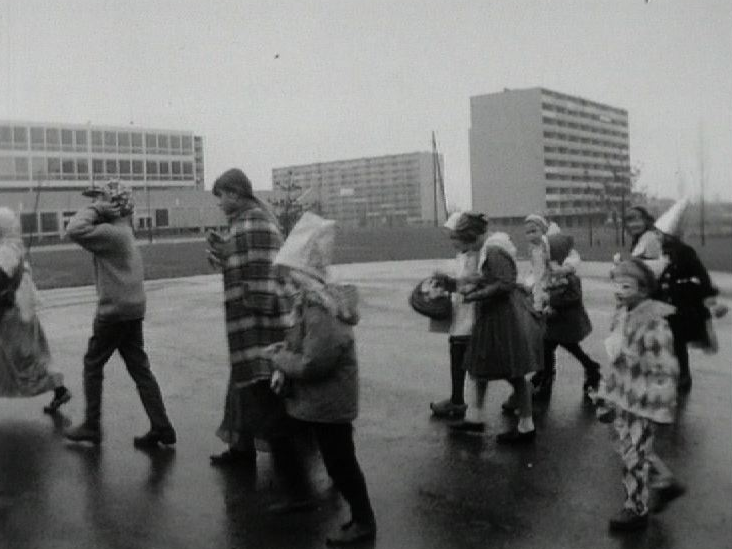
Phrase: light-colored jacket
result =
(643, 371)
(118, 270)
(319, 358)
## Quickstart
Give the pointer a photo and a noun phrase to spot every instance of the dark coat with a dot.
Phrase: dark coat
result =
(685, 284)
(507, 339)
(568, 321)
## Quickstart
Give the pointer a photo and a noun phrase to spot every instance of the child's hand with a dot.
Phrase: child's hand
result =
(277, 382)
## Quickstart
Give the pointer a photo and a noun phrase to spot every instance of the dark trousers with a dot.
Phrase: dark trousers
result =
(458, 346)
(125, 337)
(550, 361)
(335, 442)
(682, 356)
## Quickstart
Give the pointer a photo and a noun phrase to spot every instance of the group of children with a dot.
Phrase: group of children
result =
(504, 328)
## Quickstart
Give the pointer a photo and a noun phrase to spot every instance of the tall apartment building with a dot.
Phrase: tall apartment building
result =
(44, 166)
(392, 190)
(536, 150)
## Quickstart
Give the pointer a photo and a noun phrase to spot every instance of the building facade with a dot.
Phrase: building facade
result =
(44, 167)
(536, 150)
(393, 190)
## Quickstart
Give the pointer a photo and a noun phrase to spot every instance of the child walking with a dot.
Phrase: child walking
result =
(567, 322)
(639, 390)
(318, 359)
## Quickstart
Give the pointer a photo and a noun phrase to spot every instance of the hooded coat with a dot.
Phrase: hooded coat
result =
(319, 357)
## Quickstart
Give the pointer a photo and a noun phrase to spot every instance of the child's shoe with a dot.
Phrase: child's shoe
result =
(627, 520)
(661, 497)
(445, 409)
(352, 532)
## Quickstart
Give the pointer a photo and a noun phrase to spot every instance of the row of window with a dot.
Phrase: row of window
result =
(583, 140)
(587, 153)
(55, 139)
(583, 165)
(584, 127)
(583, 102)
(574, 190)
(583, 114)
(19, 168)
(584, 178)
(53, 222)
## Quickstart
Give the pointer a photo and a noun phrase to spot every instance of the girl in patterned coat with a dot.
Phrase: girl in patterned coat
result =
(639, 390)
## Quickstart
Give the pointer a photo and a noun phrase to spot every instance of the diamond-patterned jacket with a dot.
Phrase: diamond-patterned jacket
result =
(643, 370)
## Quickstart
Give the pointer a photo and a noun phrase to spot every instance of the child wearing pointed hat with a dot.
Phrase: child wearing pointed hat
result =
(638, 391)
(685, 283)
(318, 361)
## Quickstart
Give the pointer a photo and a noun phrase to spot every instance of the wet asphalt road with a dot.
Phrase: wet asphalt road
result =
(430, 489)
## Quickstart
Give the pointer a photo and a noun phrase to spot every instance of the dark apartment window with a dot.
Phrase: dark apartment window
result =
(124, 142)
(111, 166)
(38, 142)
(6, 137)
(152, 169)
(81, 141)
(110, 141)
(161, 218)
(187, 144)
(175, 144)
(67, 140)
(49, 222)
(28, 223)
(164, 170)
(67, 167)
(151, 143)
(53, 139)
(124, 169)
(188, 168)
(136, 139)
(97, 167)
(137, 169)
(163, 143)
(175, 168)
(20, 137)
(97, 141)
(82, 168)
(53, 168)
(21, 167)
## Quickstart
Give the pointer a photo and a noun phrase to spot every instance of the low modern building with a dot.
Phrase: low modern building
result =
(44, 167)
(536, 150)
(398, 189)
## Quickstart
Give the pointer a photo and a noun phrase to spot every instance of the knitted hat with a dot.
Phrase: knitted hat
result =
(114, 191)
(559, 247)
(539, 220)
(637, 269)
(309, 247)
(503, 241)
(671, 222)
(233, 180)
(470, 225)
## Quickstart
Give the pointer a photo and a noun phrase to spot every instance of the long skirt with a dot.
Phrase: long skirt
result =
(253, 411)
(507, 340)
(24, 357)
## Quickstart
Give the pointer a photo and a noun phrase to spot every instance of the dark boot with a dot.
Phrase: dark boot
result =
(84, 433)
(153, 437)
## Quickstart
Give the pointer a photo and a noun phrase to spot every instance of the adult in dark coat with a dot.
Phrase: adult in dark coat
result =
(686, 285)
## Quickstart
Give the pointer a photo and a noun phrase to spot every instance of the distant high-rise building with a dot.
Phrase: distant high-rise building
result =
(397, 189)
(536, 150)
(44, 166)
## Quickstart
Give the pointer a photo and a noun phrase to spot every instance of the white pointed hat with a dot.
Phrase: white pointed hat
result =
(309, 247)
(671, 222)
(452, 220)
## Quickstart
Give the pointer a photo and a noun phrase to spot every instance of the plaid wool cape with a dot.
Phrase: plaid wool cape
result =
(256, 301)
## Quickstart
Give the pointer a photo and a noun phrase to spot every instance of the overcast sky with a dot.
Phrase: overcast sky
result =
(278, 82)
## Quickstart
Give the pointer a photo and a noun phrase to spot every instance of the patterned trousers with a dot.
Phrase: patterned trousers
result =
(635, 446)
